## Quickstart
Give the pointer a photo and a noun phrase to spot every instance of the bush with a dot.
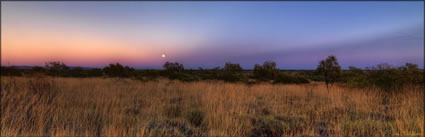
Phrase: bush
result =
(288, 78)
(267, 71)
(117, 70)
(183, 77)
(267, 128)
(412, 74)
(208, 74)
(228, 76)
(359, 81)
(195, 117)
(388, 77)
(56, 68)
(234, 68)
(173, 66)
(230, 73)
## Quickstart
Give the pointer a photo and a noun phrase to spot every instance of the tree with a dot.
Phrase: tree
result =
(266, 71)
(330, 70)
(117, 70)
(56, 68)
(230, 72)
(412, 74)
(234, 68)
(173, 66)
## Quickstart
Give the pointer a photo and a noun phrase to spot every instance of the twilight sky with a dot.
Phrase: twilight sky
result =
(296, 35)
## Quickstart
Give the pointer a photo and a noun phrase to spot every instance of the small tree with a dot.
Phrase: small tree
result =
(412, 74)
(56, 68)
(234, 68)
(330, 70)
(173, 66)
(117, 70)
(230, 72)
(266, 71)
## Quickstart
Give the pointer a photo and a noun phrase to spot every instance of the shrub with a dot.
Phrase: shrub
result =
(348, 75)
(267, 71)
(288, 78)
(230, 73)
(117, 70)
(207, 74)
(183, 76)
(412, 74)
(228, 76)
(56, 68)
(173, 66)
(267, 128)
(234, 68)
(359, 81)
(388, 77)
(195, 117)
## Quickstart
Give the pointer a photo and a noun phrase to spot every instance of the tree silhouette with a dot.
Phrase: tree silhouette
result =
(56, 68)
(266, 71)
(173, 66)
(234, 68)
(330, 70)
(117, 70)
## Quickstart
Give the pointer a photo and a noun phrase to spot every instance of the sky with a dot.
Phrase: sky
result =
(207, 34)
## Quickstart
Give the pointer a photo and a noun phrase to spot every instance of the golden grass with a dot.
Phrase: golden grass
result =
(109, 107)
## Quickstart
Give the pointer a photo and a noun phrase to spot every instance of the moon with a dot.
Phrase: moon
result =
(163, 55)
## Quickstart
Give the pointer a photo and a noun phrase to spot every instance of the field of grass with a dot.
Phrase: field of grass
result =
(46, 106)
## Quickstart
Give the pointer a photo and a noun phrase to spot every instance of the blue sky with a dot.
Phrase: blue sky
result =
(296, 35)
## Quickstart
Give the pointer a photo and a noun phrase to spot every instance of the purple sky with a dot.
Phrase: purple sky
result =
(296, 35)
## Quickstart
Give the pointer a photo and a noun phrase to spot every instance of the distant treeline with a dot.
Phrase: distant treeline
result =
(384, 76)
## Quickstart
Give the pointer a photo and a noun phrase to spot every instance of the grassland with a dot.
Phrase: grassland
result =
(51, 106)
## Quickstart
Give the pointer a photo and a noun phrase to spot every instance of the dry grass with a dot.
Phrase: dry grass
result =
(42, 106)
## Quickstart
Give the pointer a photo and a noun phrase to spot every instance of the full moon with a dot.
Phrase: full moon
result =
(163, 55)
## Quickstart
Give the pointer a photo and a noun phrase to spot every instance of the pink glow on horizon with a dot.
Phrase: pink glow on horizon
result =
(74, 48)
